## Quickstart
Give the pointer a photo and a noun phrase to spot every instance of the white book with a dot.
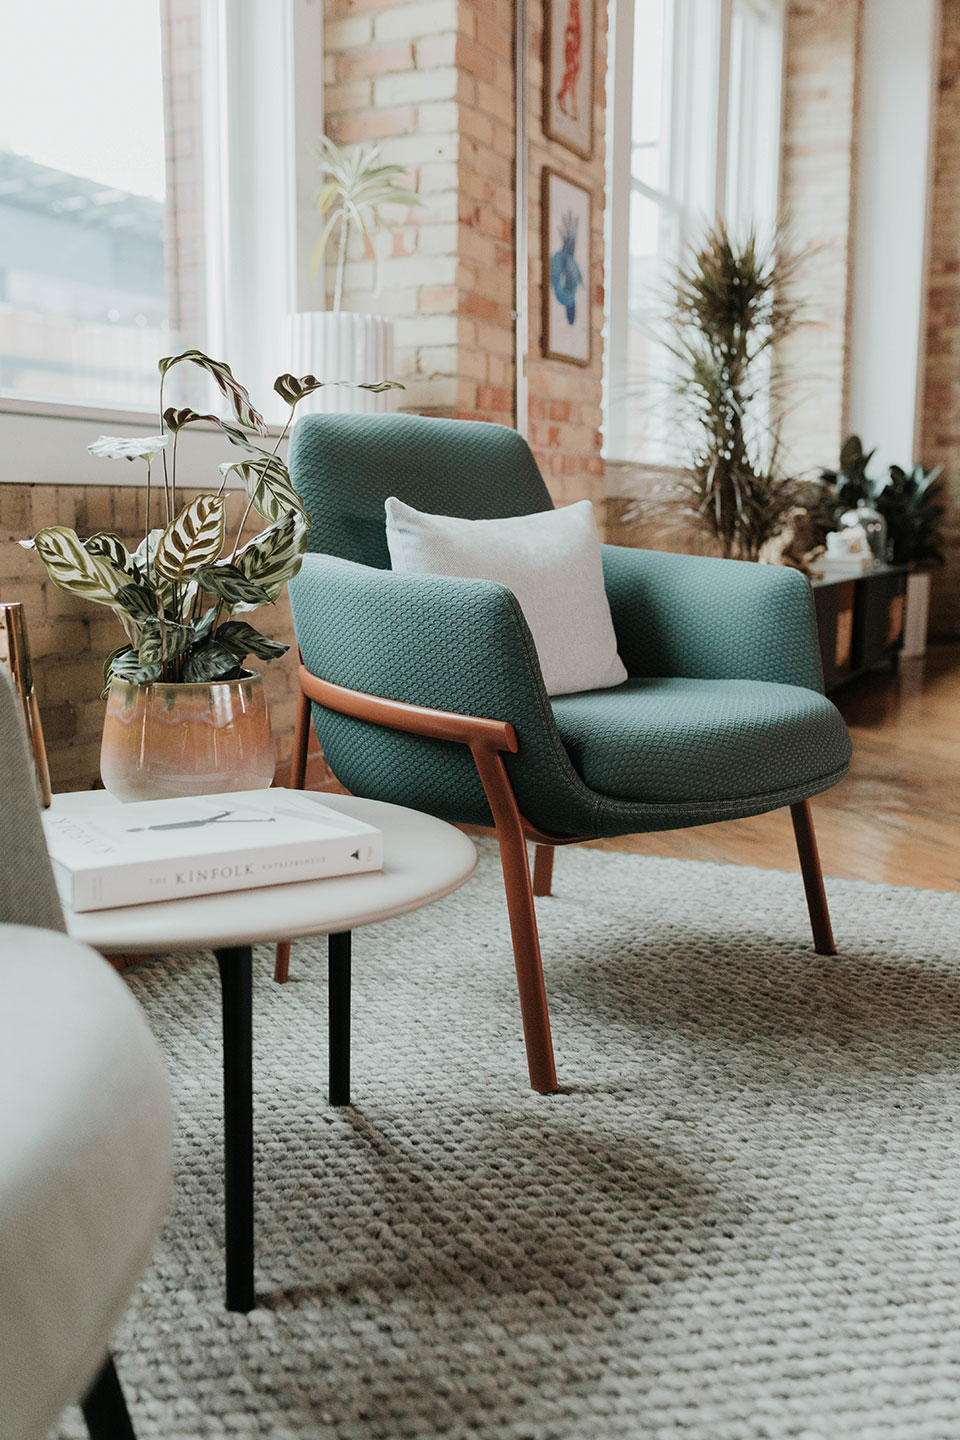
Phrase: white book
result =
(170, 849)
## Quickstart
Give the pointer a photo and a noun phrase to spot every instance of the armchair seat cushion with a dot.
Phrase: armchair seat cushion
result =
(678, 741)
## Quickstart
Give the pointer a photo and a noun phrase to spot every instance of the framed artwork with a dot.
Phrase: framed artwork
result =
(568, 74)
(565, 246)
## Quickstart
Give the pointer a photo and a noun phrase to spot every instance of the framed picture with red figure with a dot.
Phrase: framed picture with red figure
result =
(568, 74)
(565, 247)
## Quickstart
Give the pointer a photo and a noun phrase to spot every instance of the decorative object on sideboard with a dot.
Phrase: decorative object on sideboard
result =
(565, 243)
(15, 654)
(568, 74)
(357, 347)
(183, 715)
(910, 505)
(730, 306)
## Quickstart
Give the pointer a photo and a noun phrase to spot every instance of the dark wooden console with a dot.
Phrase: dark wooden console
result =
(859, 618)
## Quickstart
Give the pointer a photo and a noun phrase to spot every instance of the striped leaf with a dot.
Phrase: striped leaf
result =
(244, 641)
(275, 556)
(109, 547)
(176, 419)
(125, 447)
(127, 666)
(230, 584)
(74, 569)
(211, 662)
(139, 602)
(157, 645)
(267, 483)
(289, 388)
(193, 538)
(229, 386)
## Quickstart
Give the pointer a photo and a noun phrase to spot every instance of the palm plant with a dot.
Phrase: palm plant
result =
(159, 593)
(358, 182)
(730, 306)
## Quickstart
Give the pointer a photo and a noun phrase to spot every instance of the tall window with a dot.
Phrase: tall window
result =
(148, 196)
(83, 293)
(693, 135)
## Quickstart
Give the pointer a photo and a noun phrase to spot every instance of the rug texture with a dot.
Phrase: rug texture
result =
(740, 1219)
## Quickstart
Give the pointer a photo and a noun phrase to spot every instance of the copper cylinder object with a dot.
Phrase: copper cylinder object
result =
(15, 654)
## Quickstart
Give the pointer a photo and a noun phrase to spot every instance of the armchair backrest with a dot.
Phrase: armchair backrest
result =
(345, 467)
(28, 893)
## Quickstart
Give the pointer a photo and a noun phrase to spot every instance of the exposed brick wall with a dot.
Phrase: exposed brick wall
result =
(433, 82)
(819, 118)
(941, 398)
(565, 399)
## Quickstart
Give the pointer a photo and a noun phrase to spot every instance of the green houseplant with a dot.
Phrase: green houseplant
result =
(183, 715)
(356, 185)
(910, 501)
(729, 307)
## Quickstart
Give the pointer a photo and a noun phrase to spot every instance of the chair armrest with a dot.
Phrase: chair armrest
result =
(443, 643)
(431, 640)
(706, 619)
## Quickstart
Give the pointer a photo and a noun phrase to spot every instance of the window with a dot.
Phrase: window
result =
(693, 133)
(146, 181)
(83, 292)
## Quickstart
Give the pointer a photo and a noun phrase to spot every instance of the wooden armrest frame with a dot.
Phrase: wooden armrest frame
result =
(486, 739)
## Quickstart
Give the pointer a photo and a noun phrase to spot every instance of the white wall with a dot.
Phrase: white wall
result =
(896, 132)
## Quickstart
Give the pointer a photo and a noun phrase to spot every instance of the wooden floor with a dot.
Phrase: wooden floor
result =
(895, 818)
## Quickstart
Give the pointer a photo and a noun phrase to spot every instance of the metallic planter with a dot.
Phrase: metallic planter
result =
(162, 741)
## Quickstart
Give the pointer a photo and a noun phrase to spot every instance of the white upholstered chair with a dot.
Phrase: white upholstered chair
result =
(85, 1136)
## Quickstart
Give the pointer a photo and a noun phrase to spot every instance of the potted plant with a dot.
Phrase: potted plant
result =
(910, 504)
(730, 307)
(357, 347)
(184, 716)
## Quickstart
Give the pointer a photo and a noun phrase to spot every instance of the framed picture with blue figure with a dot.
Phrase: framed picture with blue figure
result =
(565, 245)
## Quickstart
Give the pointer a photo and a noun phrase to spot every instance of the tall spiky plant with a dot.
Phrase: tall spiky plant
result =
(730, 306)
(357, 183)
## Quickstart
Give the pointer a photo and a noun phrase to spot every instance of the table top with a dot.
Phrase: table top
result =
(424, 860)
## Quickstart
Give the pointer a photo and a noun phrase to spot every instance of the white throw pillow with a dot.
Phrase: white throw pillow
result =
(551, 562)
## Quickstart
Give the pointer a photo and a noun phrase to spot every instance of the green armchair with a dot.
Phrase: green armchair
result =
(426, 690)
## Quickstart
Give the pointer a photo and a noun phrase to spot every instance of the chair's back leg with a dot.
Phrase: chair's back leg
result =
(523, 920)
(543, 869)
(812, 878)
(298, 773)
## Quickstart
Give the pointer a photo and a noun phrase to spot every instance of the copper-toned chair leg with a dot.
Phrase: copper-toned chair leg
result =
(543, 869)
(812, 878)
(298, 772)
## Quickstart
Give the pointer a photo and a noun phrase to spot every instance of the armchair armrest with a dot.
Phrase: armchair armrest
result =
(438, 642)
(690, 615)
(430, 640)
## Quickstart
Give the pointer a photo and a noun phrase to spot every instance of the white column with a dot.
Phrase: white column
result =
(893, 186)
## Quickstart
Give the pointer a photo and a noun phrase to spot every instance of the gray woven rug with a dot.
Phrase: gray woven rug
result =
(739, 1220)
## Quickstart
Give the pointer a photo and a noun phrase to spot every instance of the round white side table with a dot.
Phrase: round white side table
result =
(424, 860)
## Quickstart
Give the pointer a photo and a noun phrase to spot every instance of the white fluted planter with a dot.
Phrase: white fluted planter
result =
(347, 346)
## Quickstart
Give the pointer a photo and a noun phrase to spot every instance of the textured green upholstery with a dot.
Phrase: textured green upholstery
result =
(755, 733)
(678, 740)
(345, 466)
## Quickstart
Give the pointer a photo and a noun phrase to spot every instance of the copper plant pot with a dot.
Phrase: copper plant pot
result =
(163, 741)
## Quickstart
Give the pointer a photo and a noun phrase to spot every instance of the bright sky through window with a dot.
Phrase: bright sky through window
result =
(82, 89)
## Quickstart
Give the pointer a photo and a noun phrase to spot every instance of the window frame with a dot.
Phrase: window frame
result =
(697, 185)
(36, 434)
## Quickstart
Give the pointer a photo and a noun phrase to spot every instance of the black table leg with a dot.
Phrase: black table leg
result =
(338, 1004)
(236, 981)
(105, 1409)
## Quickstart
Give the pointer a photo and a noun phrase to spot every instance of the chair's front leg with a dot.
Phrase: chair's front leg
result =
(812, 878)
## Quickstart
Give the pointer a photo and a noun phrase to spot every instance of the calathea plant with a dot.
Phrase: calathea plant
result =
(179, 594)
